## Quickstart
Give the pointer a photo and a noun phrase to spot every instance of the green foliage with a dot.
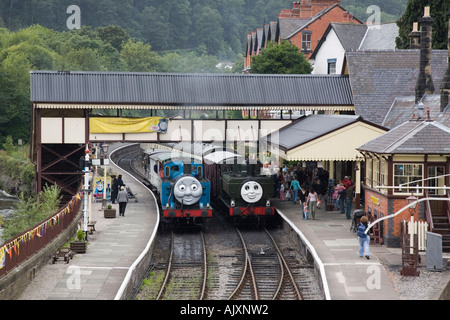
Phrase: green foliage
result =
(31, 211)
(80, 235)
(281, 59)
(414, 12)
(14, 161)
(390, 10)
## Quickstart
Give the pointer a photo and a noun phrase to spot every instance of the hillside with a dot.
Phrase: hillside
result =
(211, 27)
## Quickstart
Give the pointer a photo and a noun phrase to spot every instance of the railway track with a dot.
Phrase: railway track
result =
(186, 271)
(265, 274)
(247, 264)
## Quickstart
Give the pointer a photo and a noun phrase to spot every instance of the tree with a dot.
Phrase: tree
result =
(137, 57)
(280, 59)
(207, 29)
(113, 35)
(414, 12)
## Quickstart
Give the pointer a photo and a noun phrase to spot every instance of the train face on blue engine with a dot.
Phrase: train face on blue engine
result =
(183, 191)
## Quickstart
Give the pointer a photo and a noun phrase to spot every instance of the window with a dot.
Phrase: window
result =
(369, 172)
(406, 176)
(383, 175)
(436, 172)
(306, 41)
(331, 66)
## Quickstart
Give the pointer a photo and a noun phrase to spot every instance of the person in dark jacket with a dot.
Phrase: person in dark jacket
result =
(349, 200)
(342, 193)
(114, 189)
(321, 190)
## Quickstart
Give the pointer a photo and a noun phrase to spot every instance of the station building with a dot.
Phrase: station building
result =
(413, 158)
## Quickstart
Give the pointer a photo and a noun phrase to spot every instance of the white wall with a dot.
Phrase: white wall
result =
(330, 49)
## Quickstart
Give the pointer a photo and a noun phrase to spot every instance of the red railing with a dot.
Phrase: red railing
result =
(15, 251)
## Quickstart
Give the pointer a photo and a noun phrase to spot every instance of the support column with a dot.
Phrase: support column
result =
(331, 169)
(358, 185)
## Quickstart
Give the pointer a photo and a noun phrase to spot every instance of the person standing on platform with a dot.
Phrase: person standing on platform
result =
(114, 189)
(364, 239)
(312, 202)
(302, 195)
(122, 199)
(295, 187)
(305, 211)
(321, 190)
(342, 194)
(349, 201)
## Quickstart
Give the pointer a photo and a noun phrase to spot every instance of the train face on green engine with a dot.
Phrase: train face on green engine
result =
(245, 191)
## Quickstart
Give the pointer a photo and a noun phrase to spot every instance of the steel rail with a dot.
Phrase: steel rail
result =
(168, 269)
(289, 273)
(205, 268)
(247, 268)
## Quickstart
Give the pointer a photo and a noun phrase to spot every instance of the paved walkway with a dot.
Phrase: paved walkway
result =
(348, 275)
(114, 246)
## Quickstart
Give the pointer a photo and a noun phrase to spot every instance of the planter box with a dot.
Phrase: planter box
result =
(109, 213)
(78, 246)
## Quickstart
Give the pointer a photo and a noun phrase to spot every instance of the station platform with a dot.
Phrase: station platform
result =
(116, 244)
(348, 276)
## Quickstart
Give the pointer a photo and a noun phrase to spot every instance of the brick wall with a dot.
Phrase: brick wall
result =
(306, 9)
(318, 27)
(380, 206)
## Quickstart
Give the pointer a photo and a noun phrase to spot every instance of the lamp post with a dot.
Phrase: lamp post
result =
(412, 204)
(410, 261)
(105, 163)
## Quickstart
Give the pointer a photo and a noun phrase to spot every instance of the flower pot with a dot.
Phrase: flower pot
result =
(109, 213)
(78, 246)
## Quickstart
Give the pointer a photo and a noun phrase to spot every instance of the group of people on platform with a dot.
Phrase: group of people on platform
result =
(297, 185)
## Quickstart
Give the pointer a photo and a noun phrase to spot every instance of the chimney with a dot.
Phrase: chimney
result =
(445, 86)
(415, 37)
(424, 82)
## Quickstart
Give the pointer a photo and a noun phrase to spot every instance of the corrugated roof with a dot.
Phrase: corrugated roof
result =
(189, 89)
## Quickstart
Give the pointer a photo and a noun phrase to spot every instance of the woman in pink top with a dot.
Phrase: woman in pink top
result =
(312, 203)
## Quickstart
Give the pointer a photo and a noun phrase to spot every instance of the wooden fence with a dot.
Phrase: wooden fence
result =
(14, 252)
(418, 228)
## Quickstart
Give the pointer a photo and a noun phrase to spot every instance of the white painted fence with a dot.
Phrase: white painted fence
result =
(417, 227)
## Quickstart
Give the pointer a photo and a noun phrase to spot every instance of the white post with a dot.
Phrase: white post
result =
(86, 192)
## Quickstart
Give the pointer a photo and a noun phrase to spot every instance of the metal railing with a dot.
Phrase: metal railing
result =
(448, 206)
(15, 251)
(428, 214)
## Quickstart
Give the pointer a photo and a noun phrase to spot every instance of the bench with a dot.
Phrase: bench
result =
(91, 226)
(63, 253)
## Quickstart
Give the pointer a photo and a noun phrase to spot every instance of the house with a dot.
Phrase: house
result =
(339, 38)
(409, 156)
(303, 25)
